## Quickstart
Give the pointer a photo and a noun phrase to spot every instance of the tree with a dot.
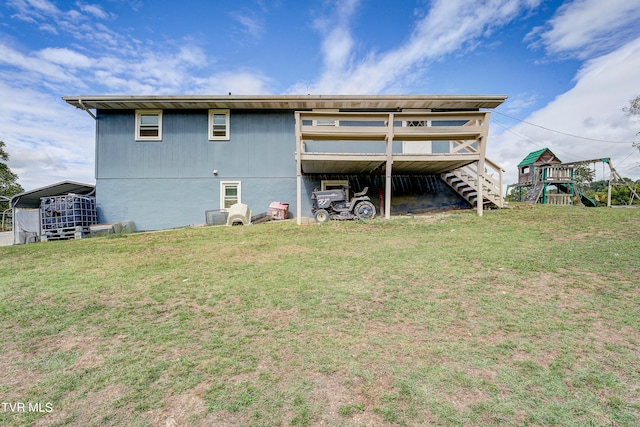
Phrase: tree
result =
(634, 107)
(8, 180)
(584, 175)
(620, 194)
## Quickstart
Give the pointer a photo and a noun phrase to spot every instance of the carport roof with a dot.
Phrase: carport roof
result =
(31, 199)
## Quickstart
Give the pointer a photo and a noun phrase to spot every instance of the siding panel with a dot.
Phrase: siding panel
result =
(261, 144)
(154, 204)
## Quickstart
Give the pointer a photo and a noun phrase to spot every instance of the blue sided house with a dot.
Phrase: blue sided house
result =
(163, 161)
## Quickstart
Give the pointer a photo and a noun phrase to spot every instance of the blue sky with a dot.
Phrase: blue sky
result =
(568, 67)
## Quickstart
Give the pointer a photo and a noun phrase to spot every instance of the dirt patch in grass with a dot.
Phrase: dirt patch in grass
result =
(86, 408)
(180, 410)
(566, 289)
(86, 346)
(371, 385)
(16, 378)
(463, 398)
(275, 317)
(241, 252)
(293, 250)
(342, 399)
(603, 333)
(540, 358)
(24, 368)
(329, 393)
(225, 419)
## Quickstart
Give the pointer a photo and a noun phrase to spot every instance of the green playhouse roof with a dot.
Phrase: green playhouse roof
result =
(533, 156)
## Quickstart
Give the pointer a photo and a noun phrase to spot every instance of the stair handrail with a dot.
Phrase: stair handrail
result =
(491, 186)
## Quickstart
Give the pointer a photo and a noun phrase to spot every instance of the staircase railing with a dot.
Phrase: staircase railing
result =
(491, 180)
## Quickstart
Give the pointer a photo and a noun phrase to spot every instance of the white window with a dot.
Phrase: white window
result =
(325, 122)
(230, 194)
(148, 125)
(218, 125)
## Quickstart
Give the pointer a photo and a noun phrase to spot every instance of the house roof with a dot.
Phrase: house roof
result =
(533, 156)
(31, 199)
(286, 102)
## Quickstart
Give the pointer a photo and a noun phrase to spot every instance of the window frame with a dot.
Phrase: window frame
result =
(212, 114)
(223, 186)
(326, 122)
(139, 114)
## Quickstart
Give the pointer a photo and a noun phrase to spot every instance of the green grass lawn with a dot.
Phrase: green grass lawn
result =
(525, 316)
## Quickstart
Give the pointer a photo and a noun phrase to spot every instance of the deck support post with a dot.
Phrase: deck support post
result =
(609, 189)
(480, 199)
(482, 150)
(298, 169)
(500, 186)
(388, 168)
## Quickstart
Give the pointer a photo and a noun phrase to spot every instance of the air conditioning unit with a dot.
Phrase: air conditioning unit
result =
(239, 214)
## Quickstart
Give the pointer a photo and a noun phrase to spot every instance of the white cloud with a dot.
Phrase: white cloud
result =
(39, 64)
(250, 24)
(80, 24)
(117, 84)
(591, 109)
(174, 69)
(48, 28)
(66, 57)
(337, 43)
(433, 37)
(32, 10)
(517, 103)
(337, 49)
(238, 83)
(95, 10)
(582, 28)
(47, 141)
(112, 62)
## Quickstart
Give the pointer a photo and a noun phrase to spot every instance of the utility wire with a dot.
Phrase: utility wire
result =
(629, 155)
(560, 132)
(539, 144)
(630, 168)
(620, 166)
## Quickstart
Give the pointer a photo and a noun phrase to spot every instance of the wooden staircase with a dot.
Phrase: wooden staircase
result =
(465, 182)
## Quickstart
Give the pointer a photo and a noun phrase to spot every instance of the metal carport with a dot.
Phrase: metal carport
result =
(26, 207)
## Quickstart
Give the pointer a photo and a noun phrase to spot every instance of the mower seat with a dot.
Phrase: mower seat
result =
(361, 193)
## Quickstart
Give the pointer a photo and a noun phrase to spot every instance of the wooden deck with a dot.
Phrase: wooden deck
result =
(403, 142)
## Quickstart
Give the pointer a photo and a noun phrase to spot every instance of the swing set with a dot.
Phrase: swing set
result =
(614, 177)
(548, 180)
